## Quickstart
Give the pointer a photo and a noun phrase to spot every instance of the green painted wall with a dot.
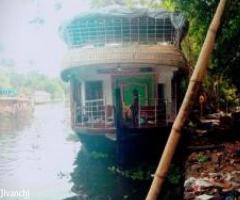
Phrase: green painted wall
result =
(144, 84)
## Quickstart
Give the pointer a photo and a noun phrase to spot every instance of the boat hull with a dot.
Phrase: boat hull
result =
(131, 144)
(141, 144)
(97, 143)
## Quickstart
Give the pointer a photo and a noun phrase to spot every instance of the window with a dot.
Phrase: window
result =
(94, 90)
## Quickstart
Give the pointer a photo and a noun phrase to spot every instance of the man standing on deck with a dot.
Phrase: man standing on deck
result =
(135, 108)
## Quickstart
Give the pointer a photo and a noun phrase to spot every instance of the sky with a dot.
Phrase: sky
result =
(29, 37)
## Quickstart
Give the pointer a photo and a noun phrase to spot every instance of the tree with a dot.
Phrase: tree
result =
(226, 54)
(4, 81)
(26, 84)
(128, 3)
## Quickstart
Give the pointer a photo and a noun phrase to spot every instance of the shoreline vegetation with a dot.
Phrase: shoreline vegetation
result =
(27, 84)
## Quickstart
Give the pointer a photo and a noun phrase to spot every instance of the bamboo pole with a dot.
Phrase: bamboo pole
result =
(190, 96)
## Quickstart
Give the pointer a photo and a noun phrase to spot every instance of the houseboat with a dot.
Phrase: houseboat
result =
(41, 97)
(124, 67)
(15, 110)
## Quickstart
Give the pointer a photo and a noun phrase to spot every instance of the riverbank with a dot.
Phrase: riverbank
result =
(212, 166)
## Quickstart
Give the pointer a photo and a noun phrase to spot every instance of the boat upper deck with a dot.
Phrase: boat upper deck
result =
(117, 25)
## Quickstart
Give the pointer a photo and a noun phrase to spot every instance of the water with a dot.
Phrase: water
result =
(43, 156)
(39, 157)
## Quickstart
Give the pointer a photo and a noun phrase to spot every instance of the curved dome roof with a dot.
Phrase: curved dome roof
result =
(120, 24)
(122, 11)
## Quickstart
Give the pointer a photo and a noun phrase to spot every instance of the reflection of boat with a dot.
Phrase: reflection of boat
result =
(93, 178)
(98, 176)
(113, 52)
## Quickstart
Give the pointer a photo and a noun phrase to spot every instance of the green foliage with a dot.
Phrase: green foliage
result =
(199, 14)
(220, 90)
(134, 173)
(27, 84)
(202, 158)
(4, 81)
(174, 175)
(226, 56)
(129, 3)
(54, 87)
(224, 65)
(169, 5)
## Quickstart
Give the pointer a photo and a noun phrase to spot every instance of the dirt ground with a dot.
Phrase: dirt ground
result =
(212, 167)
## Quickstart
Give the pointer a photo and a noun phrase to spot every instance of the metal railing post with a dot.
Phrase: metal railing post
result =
(155, 112)
(139, 112)
(105, 112)
(74, 114)
(91, 113)
(82, 115)
(166, 111)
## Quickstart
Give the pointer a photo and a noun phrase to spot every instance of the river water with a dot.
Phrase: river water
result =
(38, 156)
(43, 156)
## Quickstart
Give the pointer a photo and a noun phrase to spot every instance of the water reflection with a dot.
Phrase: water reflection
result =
(94, 179)
(12, 123)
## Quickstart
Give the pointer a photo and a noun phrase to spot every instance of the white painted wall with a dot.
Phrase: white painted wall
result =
(107, 90)
(93, 76)
(165, 76)
(166, 79)
(83, 95)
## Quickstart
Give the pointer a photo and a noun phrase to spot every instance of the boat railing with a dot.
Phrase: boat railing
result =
(151, 112)
(160, 111)
(95, 113)
(154, 112)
